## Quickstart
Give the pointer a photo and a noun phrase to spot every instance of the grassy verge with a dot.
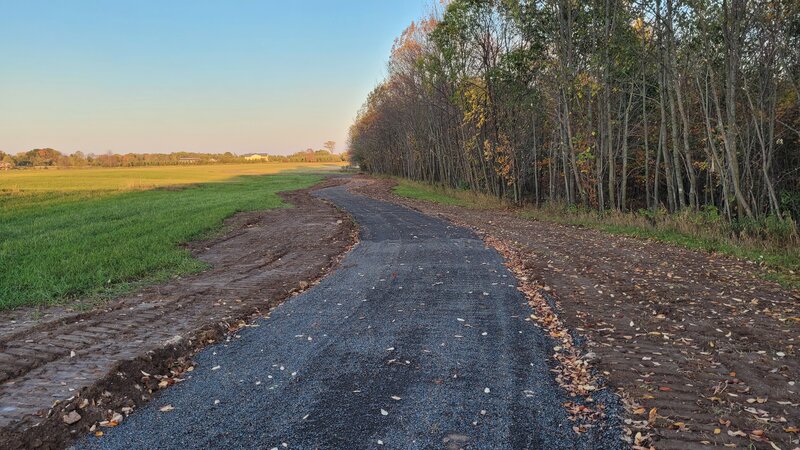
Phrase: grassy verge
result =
(57, 245)
(695, 231)
(443, 195)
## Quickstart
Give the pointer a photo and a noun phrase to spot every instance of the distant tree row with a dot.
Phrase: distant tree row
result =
(47, 157)
(675, 104)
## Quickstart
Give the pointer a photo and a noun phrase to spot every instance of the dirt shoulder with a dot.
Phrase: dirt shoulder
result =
(63, 372)
(704, 351)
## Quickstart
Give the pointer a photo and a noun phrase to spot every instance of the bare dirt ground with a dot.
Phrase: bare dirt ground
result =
(702, 349)
(62, 372)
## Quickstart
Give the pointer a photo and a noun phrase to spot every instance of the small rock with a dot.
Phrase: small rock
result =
(71, 418)
(174, 340)
(455, 441)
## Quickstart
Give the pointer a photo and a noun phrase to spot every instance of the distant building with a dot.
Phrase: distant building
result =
(5, 165)
(189, 160)
(256, 157)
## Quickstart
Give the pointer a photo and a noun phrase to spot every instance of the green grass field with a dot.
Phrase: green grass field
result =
(82, 233)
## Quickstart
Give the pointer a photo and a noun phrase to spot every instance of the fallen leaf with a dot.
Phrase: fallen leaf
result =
(651, 417)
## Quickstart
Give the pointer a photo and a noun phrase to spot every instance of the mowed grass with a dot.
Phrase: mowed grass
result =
(60, 243)
(419, 191)
(444, 195)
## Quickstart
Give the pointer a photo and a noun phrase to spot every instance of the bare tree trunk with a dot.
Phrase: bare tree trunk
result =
(676, 163)
(687, 151)
(671, 198)
(624, 188)
(733, 12)
(659, 150)
(644, 121)
(608, 26)
(766, 152)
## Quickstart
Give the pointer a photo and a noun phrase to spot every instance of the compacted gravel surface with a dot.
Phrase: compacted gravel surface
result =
(418, 340)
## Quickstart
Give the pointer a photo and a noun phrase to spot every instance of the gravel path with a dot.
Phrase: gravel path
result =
(419, 340)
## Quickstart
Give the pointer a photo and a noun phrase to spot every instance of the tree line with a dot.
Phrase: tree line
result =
(48, 157)
(608, 104)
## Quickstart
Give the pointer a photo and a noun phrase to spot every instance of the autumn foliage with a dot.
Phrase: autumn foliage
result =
(653, 105)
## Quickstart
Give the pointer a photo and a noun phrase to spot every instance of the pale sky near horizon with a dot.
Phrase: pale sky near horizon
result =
(190, 75)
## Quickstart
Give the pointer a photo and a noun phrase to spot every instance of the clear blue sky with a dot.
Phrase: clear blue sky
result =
(195, 75)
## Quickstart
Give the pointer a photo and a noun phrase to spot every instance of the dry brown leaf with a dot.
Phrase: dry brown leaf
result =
(652, 416)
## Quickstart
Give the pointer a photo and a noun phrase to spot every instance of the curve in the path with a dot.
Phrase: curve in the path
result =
(418, 340)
